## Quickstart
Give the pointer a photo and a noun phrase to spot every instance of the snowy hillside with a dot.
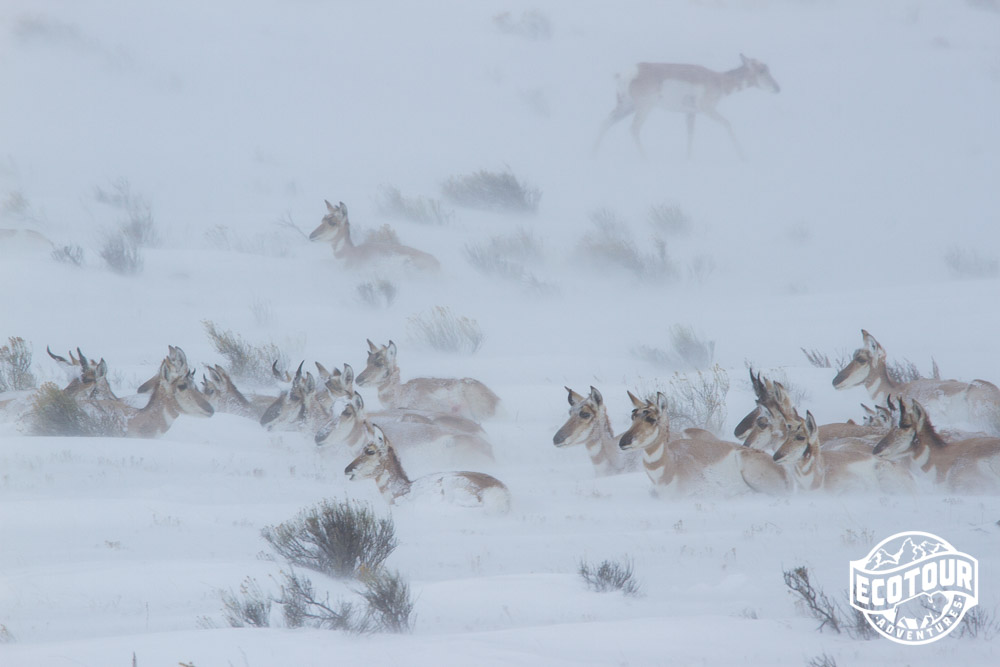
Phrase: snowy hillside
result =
(868, 199)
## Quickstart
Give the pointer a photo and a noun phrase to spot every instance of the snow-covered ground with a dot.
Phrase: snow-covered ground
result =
(877, 162)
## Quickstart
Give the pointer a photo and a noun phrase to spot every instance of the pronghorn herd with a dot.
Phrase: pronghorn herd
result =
(896, 450)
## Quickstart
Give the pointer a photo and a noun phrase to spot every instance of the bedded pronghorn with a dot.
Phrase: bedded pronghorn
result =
(687, 465)
(302, 407)
(378, 461)
(837, 471)
(588, 424)
(174, 393)
(220, 390)
(465, 397)
(92, 381)
(352, 428)
(973, 404)
(689, 89)
(335, 229)
(971, 465)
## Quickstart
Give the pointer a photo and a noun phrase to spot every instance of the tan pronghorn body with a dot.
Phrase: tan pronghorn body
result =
(686, 466)
(302, 407)
(352, 429)
(225, 397)
(174, 393)
(588, 424)
(688, 89)
(378, 461)
(816, 468)
(974, 405)
(965, 466)
(465, 397)
(92, 381)
(336, 230)
(767, 426)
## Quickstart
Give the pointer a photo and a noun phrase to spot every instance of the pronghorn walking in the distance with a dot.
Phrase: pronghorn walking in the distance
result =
(689, 89)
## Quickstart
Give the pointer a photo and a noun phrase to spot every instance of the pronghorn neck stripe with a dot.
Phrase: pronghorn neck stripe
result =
(880, 385)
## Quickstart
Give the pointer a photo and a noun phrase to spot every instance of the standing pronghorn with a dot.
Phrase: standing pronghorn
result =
(689, 89)
(336, 230)
(688, 465)
(378, 460)
(588, 424)
(973, 404)
(461, 396)
(964, 466)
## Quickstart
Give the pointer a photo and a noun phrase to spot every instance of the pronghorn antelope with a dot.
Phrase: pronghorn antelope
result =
(299, 408)
(340, 384)
(974, 405)
(92, 382)
(225, 397)
(353, 425)
(838, 471)
(174, 393)
(465, 397)
(696, 465)
(336, 230)
(964, 466)
(378, 461)
(588, 424)
(689, 89)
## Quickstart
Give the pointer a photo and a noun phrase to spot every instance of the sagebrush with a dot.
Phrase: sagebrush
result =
(338, 538)
(610, 575)
(446, 332)
(610, 245)
(688, 350)
(377, 293)
(391, 202)
(54, 412)
(531, 24)
(506, 256)
(247, 362)
(492, 191)
(964, 264)
(250, 606)
(15, 365)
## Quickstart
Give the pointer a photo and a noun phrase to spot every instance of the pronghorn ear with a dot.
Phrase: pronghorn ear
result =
(102, 368)
(636, 401)
(810, 423)
(918, 411)
(359, 402)
(329, 206)
(661, 402)
(390, 351)
(378, 435)
(596, 395)
(371, 346)
(868, 411)
(873, 345)
(573, 398)
(744, 59)
(321, 369)
(343, 208)
(348, 375)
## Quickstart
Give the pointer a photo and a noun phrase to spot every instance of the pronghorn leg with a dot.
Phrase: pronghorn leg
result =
(690, 126)
(637, 121)
(718, 118)
(618, 113)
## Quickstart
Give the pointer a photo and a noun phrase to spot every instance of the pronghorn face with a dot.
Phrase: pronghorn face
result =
(800, 436)
(901, 438)
(650, 423)
(333, 227)
(92, 381)
(880, 417)
(381, 364)
(184, 392)
(340, 427)
(759, 75)
(292, 405)
(867, 362)
(339, 383)
(371, 461)
(767, 430)
(583, 417)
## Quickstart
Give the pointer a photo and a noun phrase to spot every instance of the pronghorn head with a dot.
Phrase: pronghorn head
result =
(650, 423)
(905, 432)
(879, 417)
(92, 381)
(381, 364)
(292, 405)
(183, 392)
(371, 462)
(340, 427)
(868, 361)
(768, 429)
(758, 75)
(339, 383)
(334, 226)
(585, 414)
(800, 442)
(218, 388)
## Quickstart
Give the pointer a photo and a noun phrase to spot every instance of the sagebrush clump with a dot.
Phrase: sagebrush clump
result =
(610, 575)
(247, 362)
(492, 191)
(441, 330)
(15, 365)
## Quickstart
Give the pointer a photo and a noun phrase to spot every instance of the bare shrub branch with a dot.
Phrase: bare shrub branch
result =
(610, 245)
(340, 539)
(506, 256)
(492, 191)
(964, 264)
(248, 607)
(120, 252)
(670, 219)
(15, 365)
(391, 202)
(247, 362)
(445, 332)
(978, 623)
(68, 254)
(271, 244)
(814, 600)
(610, 575)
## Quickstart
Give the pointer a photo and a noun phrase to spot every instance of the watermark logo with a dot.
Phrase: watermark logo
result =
(914, 588)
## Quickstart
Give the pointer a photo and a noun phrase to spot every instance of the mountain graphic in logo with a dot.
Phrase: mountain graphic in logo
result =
(907, 552)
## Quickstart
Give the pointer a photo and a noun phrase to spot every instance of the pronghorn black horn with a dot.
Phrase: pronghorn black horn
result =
(55, 356)
(83, 359)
